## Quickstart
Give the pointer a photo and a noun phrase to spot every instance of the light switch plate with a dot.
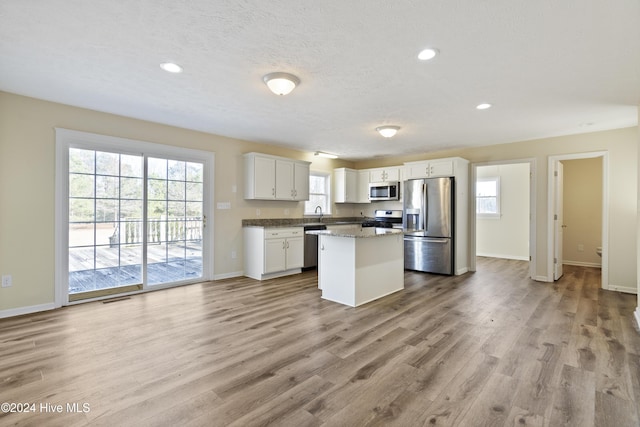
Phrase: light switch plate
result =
(6, 281)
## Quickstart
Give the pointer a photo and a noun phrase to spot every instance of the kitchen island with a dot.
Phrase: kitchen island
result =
(359, 264)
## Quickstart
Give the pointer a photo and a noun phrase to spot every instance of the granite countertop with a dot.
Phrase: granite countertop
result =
(301, 222)
(357, 232)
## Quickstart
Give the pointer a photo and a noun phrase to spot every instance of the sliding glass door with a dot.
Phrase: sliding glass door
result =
(134, 221)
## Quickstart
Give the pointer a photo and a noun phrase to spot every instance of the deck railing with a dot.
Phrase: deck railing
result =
(158, 230)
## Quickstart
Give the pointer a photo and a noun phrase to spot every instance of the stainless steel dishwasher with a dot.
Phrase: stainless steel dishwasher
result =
(311, 246)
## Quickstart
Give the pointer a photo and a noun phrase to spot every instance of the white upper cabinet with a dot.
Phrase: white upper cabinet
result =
(384, 174)
(284, 179)
(363, 187)
(275, 178)
(433, 168)
(301, 180)
(260, 177)
(351, 186)
(345, 186)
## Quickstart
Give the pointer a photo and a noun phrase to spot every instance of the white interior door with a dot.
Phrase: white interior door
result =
(558, 223)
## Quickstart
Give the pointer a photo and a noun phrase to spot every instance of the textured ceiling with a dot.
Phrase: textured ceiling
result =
(548, 67)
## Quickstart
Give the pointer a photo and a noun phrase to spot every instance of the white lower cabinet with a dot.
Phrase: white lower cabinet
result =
(273, 252)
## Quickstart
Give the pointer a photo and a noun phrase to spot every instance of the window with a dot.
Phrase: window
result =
(488, 197)
(319, 193)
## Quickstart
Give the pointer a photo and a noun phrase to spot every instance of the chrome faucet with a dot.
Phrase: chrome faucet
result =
(316, 211)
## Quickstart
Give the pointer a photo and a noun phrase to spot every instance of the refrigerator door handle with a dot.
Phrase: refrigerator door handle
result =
(428, 239)
(425, 215)
(432, 240)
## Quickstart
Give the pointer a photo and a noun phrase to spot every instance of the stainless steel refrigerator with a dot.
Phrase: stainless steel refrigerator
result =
(428, 225)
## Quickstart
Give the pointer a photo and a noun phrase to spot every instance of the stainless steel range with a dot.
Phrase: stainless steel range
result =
(385, 219)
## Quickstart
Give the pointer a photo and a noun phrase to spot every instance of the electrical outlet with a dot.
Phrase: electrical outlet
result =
(580, 248)
(233, 255)
(257, 212)
(286, 211)
(6, 281)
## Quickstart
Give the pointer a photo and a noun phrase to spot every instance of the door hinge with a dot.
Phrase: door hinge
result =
(555, 260)
(555, 217)
(555, 173)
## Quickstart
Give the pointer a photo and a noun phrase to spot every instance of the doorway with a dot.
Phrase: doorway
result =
(556, 210)
(503, 205)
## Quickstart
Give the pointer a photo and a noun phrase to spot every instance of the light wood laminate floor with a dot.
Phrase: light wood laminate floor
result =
(489, 348)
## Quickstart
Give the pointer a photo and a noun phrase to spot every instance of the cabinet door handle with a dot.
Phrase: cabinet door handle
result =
(283, 245)
(273, 191)
(287, 245)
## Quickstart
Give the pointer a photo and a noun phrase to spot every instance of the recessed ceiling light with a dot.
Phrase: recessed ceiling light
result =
(427, 54)
(483, 106)
(171, 67)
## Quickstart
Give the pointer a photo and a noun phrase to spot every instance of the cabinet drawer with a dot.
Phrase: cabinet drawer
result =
(279, 233)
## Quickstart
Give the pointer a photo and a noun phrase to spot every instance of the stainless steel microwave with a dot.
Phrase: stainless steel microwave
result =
(384, 191)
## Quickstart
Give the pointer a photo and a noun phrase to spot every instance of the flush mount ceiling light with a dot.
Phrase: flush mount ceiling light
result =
(388, 131)
(281, 83)
(171, 67)
(427, 54)
(325, 155)
(483, 106)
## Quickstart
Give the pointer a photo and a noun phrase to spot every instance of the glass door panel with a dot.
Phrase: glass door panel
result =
(105, 198)
(174, 220)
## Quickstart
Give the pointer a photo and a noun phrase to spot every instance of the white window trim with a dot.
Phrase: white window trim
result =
(66, 139)
(498, 214)
(307, 204)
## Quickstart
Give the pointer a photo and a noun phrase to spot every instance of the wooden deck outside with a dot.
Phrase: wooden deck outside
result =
(121, 265)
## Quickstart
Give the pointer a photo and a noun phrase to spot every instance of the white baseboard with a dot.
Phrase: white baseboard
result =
(228, 275)
(461, 271)
(583, 264)
(625, 289)
(26, 310)
(542, 279)
(503, 256)
(637, 313)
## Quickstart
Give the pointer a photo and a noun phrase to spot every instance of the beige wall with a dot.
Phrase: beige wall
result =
(582, 203)
(27, 163)
(507, 236)
(27, 188)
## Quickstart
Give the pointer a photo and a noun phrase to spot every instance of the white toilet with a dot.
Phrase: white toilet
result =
(599, 251)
